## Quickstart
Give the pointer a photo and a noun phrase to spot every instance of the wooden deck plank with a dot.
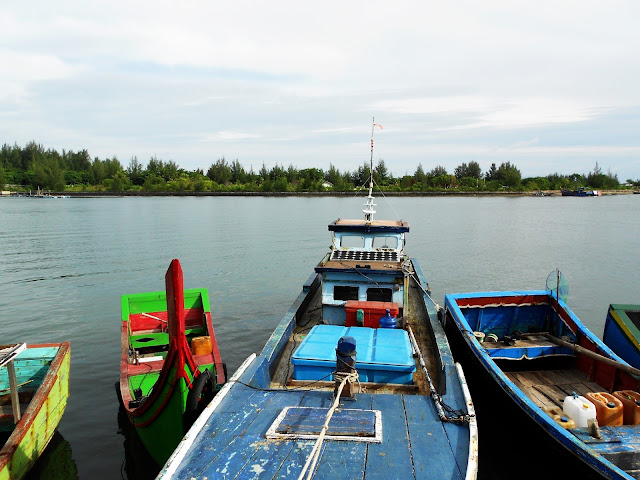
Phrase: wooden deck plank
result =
(392, 457)
(433, 456)
(553, 393)
(219, 433)
(340, 462)
(547, 388)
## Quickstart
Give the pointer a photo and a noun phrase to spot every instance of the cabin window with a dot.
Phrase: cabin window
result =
(385, 242)
(379, 294)
(352, 241)
(345, 293)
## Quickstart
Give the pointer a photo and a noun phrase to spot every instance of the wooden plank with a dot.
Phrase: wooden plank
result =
(391, 458)
(341, 460)
(538, 397)
(433, 455)
(553, 393)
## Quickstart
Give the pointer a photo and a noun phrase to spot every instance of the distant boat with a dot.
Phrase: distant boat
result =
(34, 387)
(622, 332)
(580, 192)
(356, 381)
(170, 365)
(545, 387)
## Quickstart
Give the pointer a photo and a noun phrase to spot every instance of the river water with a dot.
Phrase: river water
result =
(64, 263)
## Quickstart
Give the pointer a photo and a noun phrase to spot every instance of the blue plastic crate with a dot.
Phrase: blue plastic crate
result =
(383, 355)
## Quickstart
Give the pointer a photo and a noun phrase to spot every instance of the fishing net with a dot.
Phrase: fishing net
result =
(558, 285)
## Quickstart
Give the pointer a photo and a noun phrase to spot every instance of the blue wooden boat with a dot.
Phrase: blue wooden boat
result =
(333, 394)
(622, 332)
(539, 355)
(580, 192)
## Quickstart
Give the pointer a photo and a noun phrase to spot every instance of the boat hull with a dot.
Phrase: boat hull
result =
(165, 378)
(621, 332)
(40, 420)
(505, 413)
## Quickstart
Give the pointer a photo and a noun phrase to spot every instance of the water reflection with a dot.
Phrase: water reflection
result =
(55, 463)
(138, 464)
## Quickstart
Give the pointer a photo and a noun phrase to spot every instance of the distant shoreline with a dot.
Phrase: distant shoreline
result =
(555, 193)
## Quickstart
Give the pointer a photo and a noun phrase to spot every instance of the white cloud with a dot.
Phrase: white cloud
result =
(448, 80)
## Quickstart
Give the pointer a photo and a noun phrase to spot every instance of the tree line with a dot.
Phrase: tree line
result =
(34, 167)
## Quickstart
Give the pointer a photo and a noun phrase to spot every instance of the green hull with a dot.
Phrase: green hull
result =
(163, 357)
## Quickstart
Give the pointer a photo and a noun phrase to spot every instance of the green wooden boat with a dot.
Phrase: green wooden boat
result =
(34, 387)
(170, 365)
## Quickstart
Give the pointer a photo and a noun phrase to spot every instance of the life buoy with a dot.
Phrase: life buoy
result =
(201, 393)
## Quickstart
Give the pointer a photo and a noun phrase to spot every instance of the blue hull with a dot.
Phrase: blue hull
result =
(516, 429)
(621, 332)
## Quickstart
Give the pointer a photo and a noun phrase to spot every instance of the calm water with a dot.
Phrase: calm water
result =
(64, 264)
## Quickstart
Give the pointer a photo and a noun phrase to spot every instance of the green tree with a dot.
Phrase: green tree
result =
(491, 173)
(381, 172)
(419, 174)
(509, 175)
(135, 170)
(472, 170)
(3, 176)
(220, 172)
(48, 174)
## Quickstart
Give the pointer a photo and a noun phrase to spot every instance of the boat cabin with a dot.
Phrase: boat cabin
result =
(365, 264)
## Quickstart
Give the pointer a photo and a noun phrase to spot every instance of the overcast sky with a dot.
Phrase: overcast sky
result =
(552, 86)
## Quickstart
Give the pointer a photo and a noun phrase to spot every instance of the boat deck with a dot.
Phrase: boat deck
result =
(547, 388)
(411, 443)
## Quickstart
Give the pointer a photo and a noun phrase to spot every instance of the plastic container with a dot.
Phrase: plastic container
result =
(372, 312)
(560, 417)
(201, 345)
(608, 408)
(630, 405)
(388, 321)
(579, 409)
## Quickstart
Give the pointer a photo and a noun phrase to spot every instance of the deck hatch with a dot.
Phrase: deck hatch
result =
(365, 256)
(346, 424)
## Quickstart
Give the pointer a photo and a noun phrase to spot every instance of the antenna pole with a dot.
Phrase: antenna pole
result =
(369, 211)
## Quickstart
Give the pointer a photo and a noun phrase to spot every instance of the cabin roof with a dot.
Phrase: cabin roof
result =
(346, 225)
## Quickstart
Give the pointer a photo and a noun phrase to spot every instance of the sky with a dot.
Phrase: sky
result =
(550, 86)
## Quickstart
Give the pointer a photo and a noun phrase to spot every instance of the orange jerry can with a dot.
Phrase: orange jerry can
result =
(630, 404)
(609, 409)
(201, 345)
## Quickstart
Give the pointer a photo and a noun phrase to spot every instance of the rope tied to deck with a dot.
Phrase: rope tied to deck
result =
(310, 465)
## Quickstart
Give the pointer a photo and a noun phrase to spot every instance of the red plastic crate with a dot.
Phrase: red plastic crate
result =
(372, 312)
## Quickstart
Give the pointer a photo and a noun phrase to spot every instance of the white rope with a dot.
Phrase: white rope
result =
(315, 451)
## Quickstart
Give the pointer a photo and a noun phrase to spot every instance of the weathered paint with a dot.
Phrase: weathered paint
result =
(41, 418)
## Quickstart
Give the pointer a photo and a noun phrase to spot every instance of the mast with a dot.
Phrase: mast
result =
(368, 210)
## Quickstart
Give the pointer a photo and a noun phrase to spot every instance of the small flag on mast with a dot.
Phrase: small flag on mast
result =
(378, 125)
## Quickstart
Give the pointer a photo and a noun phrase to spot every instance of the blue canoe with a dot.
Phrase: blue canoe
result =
(407, 416)
(540, 353)
(622, 332)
